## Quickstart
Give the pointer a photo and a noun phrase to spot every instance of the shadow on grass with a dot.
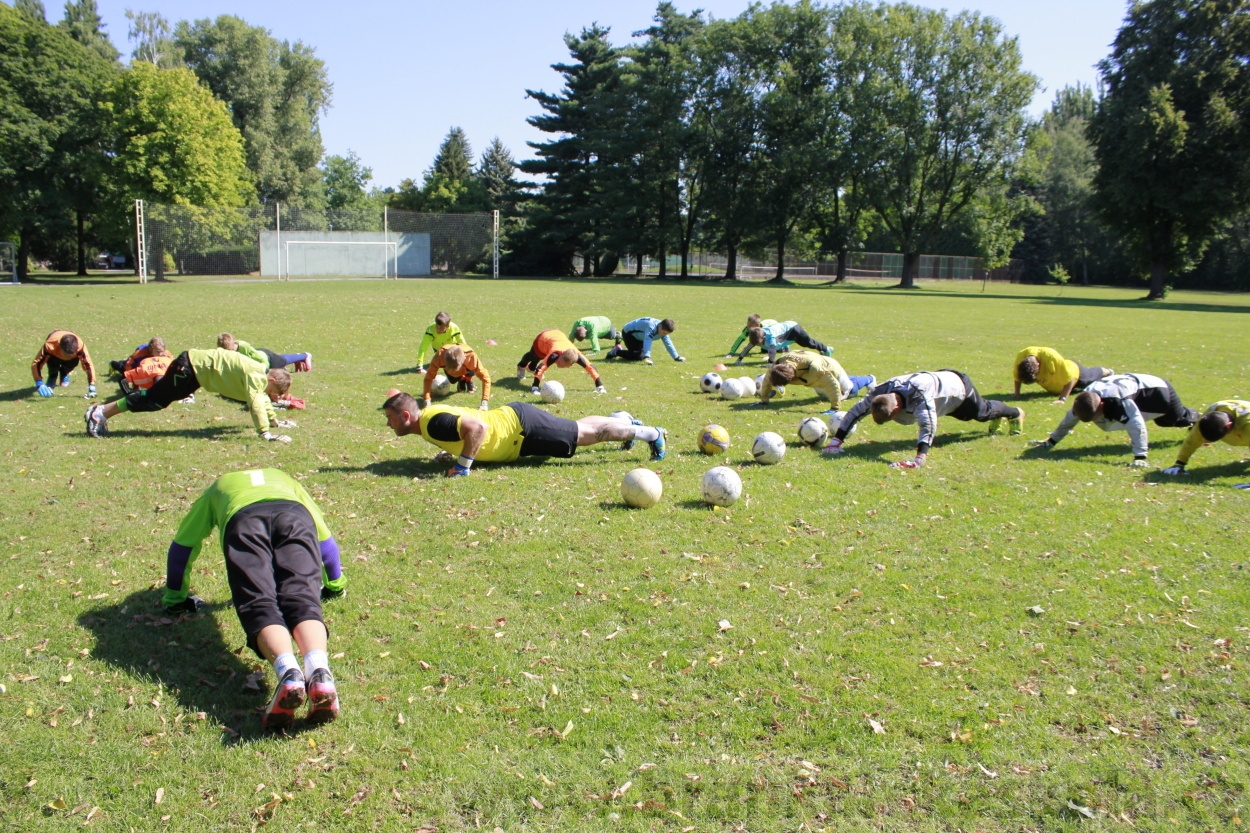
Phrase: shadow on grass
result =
(426, 468)
(404, 371)
(186, 654)
(1201, 476)
(1058, 300)
(208, 432)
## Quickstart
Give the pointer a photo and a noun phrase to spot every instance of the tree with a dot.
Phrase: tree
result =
(34, 9)
(150, 33)
(82, 23)
(454, 161)
(275, 92)
(345, 181)
(1171, 136)
(496, 172)
(947, 104)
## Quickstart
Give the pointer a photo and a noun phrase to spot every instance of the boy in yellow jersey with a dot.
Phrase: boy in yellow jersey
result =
(508, 433)
(822, 374)
(1054, 373)
(1228, 420)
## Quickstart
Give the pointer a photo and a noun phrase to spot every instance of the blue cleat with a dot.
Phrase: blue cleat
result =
(658, 445)
(629, 444)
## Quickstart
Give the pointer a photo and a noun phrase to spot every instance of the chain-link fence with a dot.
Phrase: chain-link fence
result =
(860, 265)
(283, 242)
(8, 262)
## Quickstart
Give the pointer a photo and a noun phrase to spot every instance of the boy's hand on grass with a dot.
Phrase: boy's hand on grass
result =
(1173, 471)
(42, 388)
(90, 394)
(286, 423)
(270, 437)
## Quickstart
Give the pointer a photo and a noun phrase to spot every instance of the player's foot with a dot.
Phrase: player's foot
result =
(629, 444)
(323, 698)
(520, 373)
(190, 400)
(288, 696)
(872, 383)
(97, 425)
(65, 381)
(997, 424)
(1017, 424)
(120, 367)
(658, 445)
(828, 351)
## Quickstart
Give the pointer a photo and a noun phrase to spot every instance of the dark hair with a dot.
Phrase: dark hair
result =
(1214, 426)
(781, 373)
(755, 335)
(1085, 405)
(1028, 369)
(401, 402)
(442, 319)
(580, 333)
(69, 343)
(668, 324)
(883, 406)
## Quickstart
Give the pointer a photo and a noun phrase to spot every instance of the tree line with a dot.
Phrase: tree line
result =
(817, 131)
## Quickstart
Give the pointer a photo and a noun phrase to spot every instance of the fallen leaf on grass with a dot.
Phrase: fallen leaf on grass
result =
(58, 804)
(1036, 610)
(264, 813)
(877, 728)
(160, 795)
(1084, 811)
(536, 804)
(723, 625)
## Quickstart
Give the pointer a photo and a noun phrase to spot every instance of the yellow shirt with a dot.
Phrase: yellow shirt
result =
(1054, 372)
(1239, 435)
(820, 373)
(503, 432)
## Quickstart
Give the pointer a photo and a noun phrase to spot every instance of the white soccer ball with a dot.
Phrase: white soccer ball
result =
(778, 390)
(835, 422)
(625, 415)
(749, 388)
(441, 386)
(721, 486)
(768, 448)
(552, 392)
(759, 381)
(731, 389)
(710, 383)
(641, 488)
(813, 431)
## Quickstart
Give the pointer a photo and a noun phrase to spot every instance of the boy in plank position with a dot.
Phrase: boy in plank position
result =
(225, 372)
(61, 352)
(508, 433)
(281, 561)
(781, 335)
(637, 336)
(460, 363)
(753, 321)
(1054, 373)
(273, 361)
(154, 349)
(593, 327)
(1125, 403)
(552, 347)
(920, 398)
(1228, 420)
(820, 373)
(439, 334)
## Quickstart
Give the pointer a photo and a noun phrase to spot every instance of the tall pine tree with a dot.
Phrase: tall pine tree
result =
(82, 23)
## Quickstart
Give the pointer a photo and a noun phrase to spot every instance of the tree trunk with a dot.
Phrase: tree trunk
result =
(638, 269)
(1084, 268)
(586, 268)
(843, 256)
(160, 264)
(731, 263)
(1158, 276)
(685, 257)
(23, 255)
(82, 247)
(663, 275)
(910, 261)
(781, 260)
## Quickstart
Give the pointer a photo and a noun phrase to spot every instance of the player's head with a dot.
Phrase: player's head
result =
(453, 358)
(1028, 369)
(279, 382)
(156, 346)
(755, 336)
(227, 342)
(568, 358)
(1086, 405)
(442, 321)
(580, 333)
(1215, 425)
(753, 320)
(885, 406)
(402, 413)
(667, 326)
(69, 344)
(781, 374)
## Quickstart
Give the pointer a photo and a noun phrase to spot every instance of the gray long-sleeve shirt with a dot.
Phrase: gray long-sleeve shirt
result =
(926, 396)
(1123, 396)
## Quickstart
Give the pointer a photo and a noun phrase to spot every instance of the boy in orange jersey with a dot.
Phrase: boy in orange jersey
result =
(61, 352)
(553, 347)
(460, 364)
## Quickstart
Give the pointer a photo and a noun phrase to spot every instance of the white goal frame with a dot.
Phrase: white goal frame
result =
(12, 259)
(390, 256)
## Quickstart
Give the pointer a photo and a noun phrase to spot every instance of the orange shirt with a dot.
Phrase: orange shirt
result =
(472, 367)
(52, 347)
(148, 370)
(144, 352)
(548, 347)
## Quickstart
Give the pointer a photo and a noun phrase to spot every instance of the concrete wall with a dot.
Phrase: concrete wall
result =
(317, 253)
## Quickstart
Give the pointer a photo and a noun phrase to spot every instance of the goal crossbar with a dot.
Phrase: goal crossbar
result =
(390, 254)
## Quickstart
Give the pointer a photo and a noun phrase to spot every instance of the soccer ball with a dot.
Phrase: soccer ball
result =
(731, 389)
(713, 439)
(552, 392)
(812, 430)
(749, 388)
(768, 448)
(641, 488)
(441, 386)
(721, 486)
(625, 415)
(710, 383)
(835, 422)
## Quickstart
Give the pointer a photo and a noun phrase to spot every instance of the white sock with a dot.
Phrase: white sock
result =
(314, 660)
(283, 662)
(646, 433)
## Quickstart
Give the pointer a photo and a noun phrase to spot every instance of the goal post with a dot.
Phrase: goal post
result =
(8, 263)
(390, 257)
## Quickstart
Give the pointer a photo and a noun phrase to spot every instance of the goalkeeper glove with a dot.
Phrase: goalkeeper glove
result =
(1173, 471)
(485, 406)
(647, 360)
(600, 389)
(270, 437)
(683, 358)
(191, 604)
(286, 423)
(90, 394)
(43, 388)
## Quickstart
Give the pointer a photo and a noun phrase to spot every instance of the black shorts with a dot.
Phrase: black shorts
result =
(179, 382)
(1087, 376)
(276, 362)
(273, 566)
(544, 435)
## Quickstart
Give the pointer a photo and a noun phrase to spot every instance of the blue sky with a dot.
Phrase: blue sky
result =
(404, 72)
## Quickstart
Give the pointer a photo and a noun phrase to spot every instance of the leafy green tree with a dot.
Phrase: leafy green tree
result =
(1172, 134)
(82, 22)
(153, 42)
(947, 121)
(345, 180)
(496, 171)
(275, 92)
(33, 9)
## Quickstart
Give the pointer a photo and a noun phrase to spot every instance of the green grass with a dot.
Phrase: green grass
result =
(485, 615)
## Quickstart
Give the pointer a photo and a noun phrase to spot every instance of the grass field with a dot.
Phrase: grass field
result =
(519, 651)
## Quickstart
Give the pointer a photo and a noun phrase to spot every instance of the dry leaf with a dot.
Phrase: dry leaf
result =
(160, 795)
(877, 728)
(1084, 811)
(536, 804)
(723, 625)
(1036, 610)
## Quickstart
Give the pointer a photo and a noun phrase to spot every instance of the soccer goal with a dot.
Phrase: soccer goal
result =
(8, 260)
(339, 257)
